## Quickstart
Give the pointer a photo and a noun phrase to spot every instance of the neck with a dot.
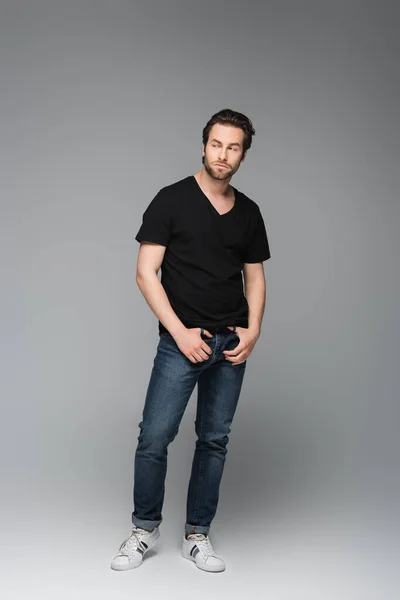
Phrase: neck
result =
(212, 186)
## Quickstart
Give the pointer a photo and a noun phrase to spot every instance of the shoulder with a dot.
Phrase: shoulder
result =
(247, 204)
(168, 198)
(177, 188)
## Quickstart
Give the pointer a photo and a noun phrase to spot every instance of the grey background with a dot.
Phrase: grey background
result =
(102, 103)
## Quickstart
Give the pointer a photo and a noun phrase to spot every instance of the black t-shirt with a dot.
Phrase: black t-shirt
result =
(205, 252)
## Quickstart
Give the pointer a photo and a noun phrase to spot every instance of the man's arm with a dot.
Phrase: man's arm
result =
(149, 261)
(255, 292)
(189, 341)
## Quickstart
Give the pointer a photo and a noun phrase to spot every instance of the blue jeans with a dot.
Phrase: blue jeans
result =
(172, 381)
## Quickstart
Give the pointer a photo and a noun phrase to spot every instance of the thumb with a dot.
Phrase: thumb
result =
(208, 333)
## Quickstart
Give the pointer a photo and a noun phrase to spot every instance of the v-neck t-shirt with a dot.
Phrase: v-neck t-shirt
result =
(205, 252)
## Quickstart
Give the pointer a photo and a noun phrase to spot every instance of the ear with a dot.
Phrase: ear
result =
(244, 156)
(203, 149)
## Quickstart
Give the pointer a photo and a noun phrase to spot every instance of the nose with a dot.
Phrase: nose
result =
(222, 154)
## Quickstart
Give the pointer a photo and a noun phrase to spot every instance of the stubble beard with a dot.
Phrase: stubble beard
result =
(216, 173)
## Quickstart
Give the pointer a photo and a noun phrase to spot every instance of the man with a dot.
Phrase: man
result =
(204, 234)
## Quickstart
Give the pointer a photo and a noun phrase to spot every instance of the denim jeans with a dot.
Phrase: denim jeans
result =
(171, 384)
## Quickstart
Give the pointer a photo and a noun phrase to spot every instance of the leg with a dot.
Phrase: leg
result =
(219, 388)
(172, 381)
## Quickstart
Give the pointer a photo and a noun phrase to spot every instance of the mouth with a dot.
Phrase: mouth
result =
(219, 165)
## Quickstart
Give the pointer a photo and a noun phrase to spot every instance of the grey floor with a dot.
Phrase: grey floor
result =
(279, 556)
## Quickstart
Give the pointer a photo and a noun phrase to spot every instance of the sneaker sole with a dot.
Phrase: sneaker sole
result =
(209, 570)
(129, 566)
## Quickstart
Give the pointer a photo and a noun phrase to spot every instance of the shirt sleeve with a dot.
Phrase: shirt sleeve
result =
(156, 222)
(257, 250)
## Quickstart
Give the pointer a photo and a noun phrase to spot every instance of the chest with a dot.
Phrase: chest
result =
(221, 207)
(203, 228)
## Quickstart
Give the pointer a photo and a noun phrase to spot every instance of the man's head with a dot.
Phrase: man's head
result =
(226, 139)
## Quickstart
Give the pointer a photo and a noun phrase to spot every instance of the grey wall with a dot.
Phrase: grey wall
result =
(102, 103)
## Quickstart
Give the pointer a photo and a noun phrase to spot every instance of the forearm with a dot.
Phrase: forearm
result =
(155, 296)
(255, 292)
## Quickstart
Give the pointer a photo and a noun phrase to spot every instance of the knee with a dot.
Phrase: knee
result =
(154, 440)
(215, 443)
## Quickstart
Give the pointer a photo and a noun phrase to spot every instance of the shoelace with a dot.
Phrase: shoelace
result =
(203, 543)
(132, 543)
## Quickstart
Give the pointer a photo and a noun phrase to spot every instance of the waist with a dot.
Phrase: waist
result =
(213, 329)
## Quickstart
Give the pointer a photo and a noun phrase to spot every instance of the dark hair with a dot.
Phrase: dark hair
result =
(227, 116)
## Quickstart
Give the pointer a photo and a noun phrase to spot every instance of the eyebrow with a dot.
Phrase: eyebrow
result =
(231, 144)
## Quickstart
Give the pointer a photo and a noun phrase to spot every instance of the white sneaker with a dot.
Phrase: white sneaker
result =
(198, 548)
(133, 549)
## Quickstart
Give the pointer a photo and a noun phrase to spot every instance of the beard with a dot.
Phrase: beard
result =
(218, 173)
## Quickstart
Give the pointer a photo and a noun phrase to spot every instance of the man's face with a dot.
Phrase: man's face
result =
(223, 152)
